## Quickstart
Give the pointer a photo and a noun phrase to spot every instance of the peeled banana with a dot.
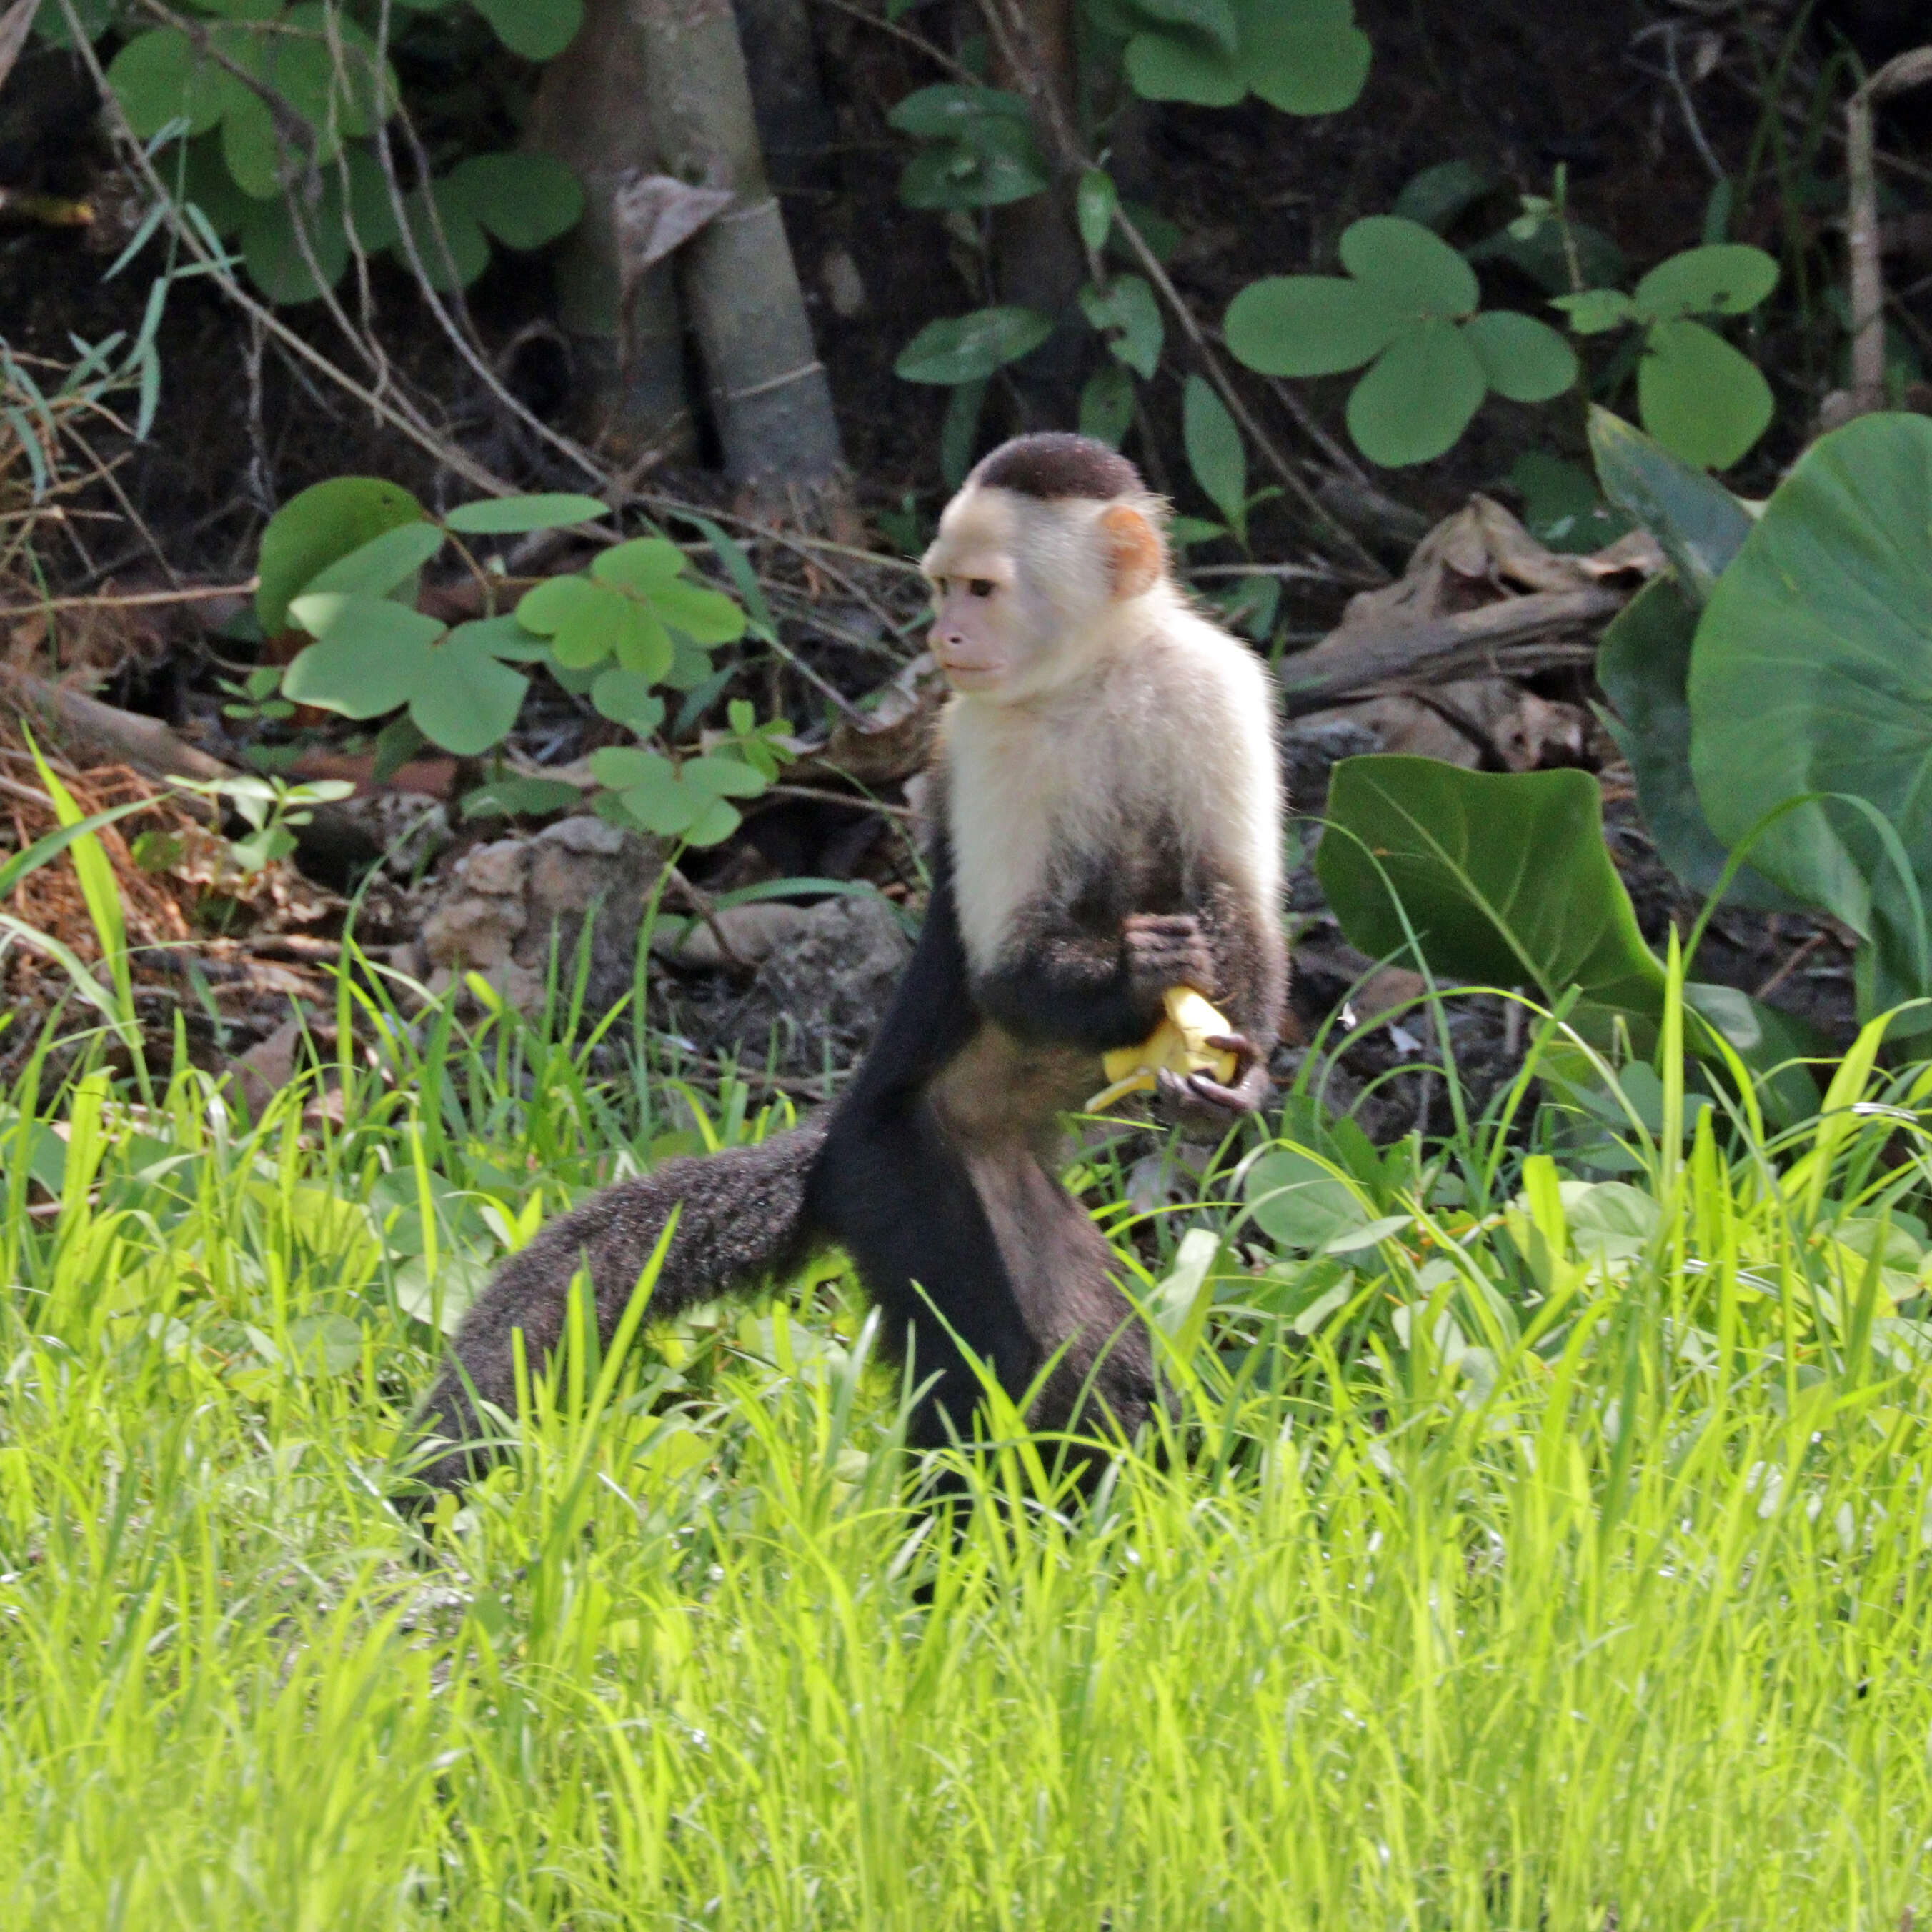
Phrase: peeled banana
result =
(1179, 1044)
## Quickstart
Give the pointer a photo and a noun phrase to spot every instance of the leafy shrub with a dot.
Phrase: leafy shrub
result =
(268, 115)
(342, 562)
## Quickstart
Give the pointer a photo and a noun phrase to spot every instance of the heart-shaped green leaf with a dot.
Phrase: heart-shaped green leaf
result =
(464, 700)
(249, 147)
(1726, 279)
(449, 241)
(1303, 56)
(626, 698)
(524, 199)
(368, 656)
(1409, 265)
(1700, 397)
(1181, 66)
(278, 264)
(539, 30)
(622, 767)
(311, 531)
(1417, 397)
(1310, 324)
(722, 777)
(1215, 18)
(644, 566)
(1524, 359)
(159, 76)
(584, 620)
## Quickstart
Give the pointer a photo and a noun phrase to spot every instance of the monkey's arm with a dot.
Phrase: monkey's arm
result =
(1061, 980)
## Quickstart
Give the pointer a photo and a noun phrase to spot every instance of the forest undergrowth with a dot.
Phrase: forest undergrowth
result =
(1538, 1550)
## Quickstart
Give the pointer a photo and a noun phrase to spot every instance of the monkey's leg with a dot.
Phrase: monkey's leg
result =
(741, 1216)
(890, 1187)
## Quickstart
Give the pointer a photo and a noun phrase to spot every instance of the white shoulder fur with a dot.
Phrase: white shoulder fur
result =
(1180, 726)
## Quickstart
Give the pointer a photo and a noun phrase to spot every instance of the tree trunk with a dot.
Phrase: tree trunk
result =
(769, 393)
(795, 126)
(591, 113)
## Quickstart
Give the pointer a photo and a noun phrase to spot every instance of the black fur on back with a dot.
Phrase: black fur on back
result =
(1054, 463)
(741, 1218)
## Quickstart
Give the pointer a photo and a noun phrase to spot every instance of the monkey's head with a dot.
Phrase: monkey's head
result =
(1047, 547)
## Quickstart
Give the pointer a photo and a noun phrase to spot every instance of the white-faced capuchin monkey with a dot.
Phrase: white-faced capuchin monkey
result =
(1106, 825)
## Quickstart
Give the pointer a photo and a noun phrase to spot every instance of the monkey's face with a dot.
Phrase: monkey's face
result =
(979, 626)
(1026, 592)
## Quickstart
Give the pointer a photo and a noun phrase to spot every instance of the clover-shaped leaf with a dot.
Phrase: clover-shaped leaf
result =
(1407, 307)
(323, 66)
(372, 655)
(1704, 400)
(626, 697)
(624, 608)
(686, 801)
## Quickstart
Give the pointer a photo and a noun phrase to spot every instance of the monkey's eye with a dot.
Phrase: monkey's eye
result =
(981, 586)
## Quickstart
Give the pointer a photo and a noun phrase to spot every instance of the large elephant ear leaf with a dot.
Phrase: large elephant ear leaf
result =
(1644, 664)
(1505, 880)
(1812, 674)
(1504, 877)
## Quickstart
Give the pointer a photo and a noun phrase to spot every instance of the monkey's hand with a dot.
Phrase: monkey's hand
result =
(1164, 950)
(1203, 1108)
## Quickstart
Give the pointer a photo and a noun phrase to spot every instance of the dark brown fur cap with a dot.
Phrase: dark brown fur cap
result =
(1055, 463)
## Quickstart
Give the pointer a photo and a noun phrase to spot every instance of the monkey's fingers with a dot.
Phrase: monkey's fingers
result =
(1201, 1108)
(1166, 950)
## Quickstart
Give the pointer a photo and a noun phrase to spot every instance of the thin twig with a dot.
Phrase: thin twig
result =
(940, 58)
(825, 797)
(1687, 105)
(701, 903)
(1797, 957)
(206, 593)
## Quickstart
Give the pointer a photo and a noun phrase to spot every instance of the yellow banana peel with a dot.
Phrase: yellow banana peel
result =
(1179, 1044)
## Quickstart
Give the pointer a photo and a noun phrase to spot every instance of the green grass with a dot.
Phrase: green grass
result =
(1601, 1604)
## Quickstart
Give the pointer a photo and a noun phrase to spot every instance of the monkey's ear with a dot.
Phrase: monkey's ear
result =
(1133, 547)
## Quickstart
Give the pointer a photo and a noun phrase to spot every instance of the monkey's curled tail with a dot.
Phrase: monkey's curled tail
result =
(741, 1216)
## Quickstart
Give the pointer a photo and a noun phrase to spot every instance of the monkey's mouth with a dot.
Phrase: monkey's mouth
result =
(967, 673)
